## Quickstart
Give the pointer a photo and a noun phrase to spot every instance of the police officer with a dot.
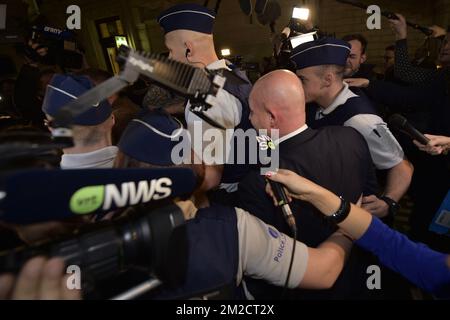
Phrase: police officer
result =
(91, 131)
(320, 65)
(334, 157)
(431, 178)
(188, 32)
(226, 243)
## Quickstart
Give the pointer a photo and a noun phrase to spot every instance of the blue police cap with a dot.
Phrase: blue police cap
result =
(64, 88)
(321, 52)
(188, 16)
(152, 137)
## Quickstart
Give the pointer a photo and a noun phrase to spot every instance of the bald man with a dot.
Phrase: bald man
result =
(334, 157)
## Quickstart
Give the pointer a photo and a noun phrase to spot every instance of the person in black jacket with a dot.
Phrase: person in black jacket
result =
(337, 158)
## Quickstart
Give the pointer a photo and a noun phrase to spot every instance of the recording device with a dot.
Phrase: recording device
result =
(294, 34)
(265, 143)
(283, 202)
(61, 44)
(389, 15)
(155, 242)
(82, 192)
(303, 38)
(401, 123)
(147, 239)
(198, 85)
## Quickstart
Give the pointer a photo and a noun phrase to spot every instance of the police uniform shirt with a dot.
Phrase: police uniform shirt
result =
(98, 159)
(226, 244)
(210, 143)
(227, 111)
(336, 158)
(385, 150)
(265, 253)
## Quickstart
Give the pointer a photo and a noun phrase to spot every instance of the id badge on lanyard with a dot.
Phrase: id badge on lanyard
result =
(441, 220)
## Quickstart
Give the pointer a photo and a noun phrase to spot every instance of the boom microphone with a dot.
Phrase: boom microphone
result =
(401, 123)
(43, 195)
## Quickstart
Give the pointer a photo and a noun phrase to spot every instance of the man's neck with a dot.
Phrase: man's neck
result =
(77, 149)
(289, 130)
(328, 98)
(210, 58)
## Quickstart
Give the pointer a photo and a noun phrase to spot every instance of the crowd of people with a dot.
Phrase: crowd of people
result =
(344, 170)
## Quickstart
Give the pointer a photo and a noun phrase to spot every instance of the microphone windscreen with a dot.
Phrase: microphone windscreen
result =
(397, 121)
(43, 195)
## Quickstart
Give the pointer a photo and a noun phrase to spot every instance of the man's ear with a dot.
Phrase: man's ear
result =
(363, 58)
(189, 49)
(273, 120)
(327, 79)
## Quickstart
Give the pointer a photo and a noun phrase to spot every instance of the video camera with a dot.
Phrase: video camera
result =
(61, 45)
(149, 234)
(299, 30)
(149, 240)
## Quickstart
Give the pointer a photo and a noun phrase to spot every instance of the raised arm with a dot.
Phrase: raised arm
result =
(422, 266)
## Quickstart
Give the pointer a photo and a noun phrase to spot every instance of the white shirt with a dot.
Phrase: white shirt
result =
(342, 98)
(98, 159)
(292, 134)
(385, 150)
(265, 253)
(227, 112)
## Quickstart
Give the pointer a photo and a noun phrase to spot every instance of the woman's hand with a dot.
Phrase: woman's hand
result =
(399, 27)
(436, 146)
(297, 186)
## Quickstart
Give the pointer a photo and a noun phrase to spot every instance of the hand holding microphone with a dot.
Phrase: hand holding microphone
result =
(297, 188)
(401, 123)
(282, 200)
(437, 145)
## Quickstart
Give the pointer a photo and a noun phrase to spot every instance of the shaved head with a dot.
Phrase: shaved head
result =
(277, 101)
(200, 47)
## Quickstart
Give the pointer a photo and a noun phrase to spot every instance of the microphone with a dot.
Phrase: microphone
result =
(401, 123)
(283, 202)
(265, 143)
(32, 196)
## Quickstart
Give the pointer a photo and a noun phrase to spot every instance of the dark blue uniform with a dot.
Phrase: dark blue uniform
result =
(431, 179)
(213, 257)
(336, 158)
